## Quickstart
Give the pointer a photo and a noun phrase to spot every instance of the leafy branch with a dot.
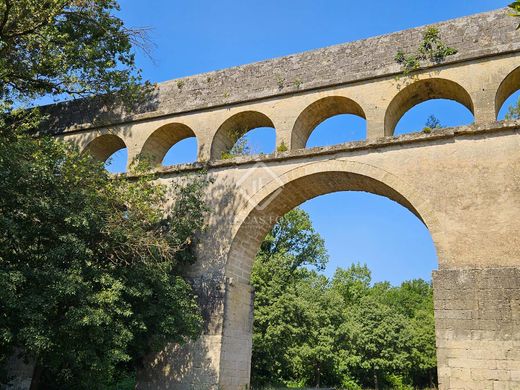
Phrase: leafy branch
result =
(515, 6)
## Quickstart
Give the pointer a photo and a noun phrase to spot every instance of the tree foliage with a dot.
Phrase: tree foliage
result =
(432, 123)
(90, 264)
(515, 7)
(513, 111)
(57, 47)
(344, 331)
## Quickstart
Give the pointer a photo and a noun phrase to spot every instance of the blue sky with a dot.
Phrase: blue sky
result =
(198, 36)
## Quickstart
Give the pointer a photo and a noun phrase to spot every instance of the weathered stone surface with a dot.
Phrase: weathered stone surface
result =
(476, 36)
(478, 327)
(19, 371)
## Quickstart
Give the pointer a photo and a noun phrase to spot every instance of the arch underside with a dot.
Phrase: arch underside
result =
(261, 218)
(102, 147)
(508, 86)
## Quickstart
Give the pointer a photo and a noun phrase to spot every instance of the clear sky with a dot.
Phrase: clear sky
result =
(195, 36)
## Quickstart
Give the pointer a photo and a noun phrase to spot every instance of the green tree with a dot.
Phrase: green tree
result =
(346, 331)
(280, 265)
(421, 335)
(294, 236)
(374, 344)
(90, 264)
(513, 112)
(432, 123)
(64, 47)
(352, 283)
(313, 357)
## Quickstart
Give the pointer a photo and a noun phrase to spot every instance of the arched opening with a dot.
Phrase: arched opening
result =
(339, 119)
(174, 143)
(508, 96)
(421, 91)
(275, 200)
(110, 149)
(323, 282)
(433, 114)
(235, 128)
(183, 152)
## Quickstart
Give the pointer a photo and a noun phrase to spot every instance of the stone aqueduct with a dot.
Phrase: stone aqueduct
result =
(463, 183)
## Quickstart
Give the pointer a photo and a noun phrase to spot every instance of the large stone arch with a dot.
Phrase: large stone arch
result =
(508, 86)
(103, 146)
(235, 127)
(162, 139)
(319, 111)
(421, 91)
(254, 221)
(306, 182)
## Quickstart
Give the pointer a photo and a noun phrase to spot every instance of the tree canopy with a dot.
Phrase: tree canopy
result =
(345, 331)
(64, 47)
(90, 263)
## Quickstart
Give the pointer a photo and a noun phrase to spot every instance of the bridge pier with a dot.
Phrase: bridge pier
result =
(477, 318)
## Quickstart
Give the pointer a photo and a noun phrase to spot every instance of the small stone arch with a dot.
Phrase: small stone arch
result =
(103, 146)
(162, 139)
(421, 91)
(319, 111)
(236, 126)
(508, 86)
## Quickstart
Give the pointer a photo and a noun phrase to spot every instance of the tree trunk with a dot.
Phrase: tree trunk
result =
(430, 375)
(37, 375)
(376, 383)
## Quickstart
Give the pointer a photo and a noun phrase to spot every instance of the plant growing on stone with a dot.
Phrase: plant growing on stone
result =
(432, 123)
(280, 81)
(513, 112)
(432, 49)
(297, 83)
(240, 146)
(515, 7)
(282, 148)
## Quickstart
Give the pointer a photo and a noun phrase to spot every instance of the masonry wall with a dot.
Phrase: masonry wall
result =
(463, 183)
(477, 314)
(476, 36)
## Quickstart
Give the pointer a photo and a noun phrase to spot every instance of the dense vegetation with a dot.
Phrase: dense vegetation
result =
(345, 331)
(90, 264)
